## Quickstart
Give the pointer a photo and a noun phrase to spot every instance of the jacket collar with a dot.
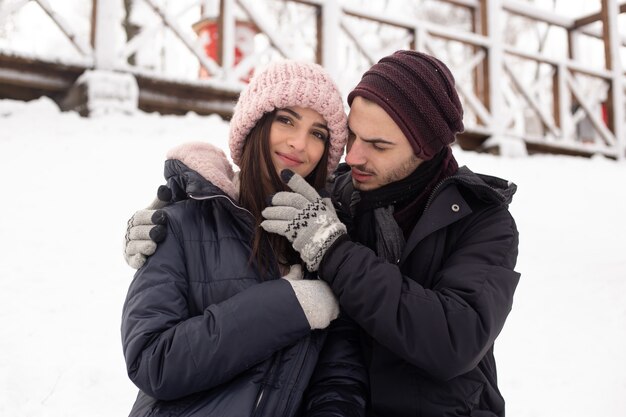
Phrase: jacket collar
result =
(201, 169)
(485, 187)
(446, 208)
(446, 203)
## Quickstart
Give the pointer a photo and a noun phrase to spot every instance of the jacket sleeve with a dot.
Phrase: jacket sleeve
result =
(170, 354)
(446, 329)
(339, 384)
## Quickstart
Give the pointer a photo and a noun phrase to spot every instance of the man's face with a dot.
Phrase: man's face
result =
(378, 152)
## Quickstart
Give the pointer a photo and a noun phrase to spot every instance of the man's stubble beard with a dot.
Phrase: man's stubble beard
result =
(394, 175)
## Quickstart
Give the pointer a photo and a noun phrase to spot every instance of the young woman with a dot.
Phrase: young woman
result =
(209, 327)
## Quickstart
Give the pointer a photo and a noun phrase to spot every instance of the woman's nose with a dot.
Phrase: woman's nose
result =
(297, 140)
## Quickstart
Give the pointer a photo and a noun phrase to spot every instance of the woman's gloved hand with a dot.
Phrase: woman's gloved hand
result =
(317, 300)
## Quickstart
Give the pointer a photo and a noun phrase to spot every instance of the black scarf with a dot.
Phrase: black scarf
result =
(385, 217)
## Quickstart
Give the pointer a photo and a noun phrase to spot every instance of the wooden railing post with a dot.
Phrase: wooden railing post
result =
(491, 19)
(331, 18)
(615, 100)
(103, 89)
(562, 103)
(103, 32)
(226, 45)
(480, 71)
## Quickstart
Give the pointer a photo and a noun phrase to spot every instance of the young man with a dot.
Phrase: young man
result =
(426, 269)
(423, 257)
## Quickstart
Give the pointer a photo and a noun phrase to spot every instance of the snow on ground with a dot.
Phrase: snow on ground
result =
(70, 184)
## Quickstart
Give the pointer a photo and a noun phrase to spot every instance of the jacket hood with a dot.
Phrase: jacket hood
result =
(197, 163)
(486, 187)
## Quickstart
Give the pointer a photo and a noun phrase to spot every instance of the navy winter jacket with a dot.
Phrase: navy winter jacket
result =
(429, 322)
(203, 335)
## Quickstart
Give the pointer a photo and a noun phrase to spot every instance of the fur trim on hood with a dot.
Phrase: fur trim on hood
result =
(210, 162)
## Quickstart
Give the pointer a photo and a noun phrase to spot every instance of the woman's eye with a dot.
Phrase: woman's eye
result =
(320, 135)
(284, 119)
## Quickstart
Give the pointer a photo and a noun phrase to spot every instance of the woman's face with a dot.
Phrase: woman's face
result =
(298, 138)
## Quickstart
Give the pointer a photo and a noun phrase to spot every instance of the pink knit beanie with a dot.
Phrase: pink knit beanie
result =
(290, 83)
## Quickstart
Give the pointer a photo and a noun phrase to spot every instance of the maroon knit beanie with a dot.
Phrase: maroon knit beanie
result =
(417, 91)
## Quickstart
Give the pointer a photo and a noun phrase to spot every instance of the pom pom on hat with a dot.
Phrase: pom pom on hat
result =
(417, 92)
(290, 83)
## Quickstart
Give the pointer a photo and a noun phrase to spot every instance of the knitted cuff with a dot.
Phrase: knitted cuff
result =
(313, 254)
(331, 248)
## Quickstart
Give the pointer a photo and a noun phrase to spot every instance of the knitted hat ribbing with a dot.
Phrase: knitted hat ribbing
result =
(284, 84)
(417, 92)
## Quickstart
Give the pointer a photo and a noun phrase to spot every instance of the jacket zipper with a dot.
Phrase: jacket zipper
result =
(262, 397)
(302, 363)
(434, 193)
(210, 197)
(258, 400)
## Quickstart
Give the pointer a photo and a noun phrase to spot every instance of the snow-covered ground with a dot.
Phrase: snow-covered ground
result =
(70, 184)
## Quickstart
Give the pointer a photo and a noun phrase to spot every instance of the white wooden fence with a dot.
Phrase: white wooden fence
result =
(516, 98)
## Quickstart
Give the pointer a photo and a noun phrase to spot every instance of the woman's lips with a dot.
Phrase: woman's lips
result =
(289, 159)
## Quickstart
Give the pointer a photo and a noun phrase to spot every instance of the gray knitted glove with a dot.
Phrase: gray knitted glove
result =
(143, 231)
(304, 218)
(315, 297)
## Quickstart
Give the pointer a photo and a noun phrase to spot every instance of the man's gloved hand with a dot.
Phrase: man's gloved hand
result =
(145, 229)
(317, 300)
(304, 218)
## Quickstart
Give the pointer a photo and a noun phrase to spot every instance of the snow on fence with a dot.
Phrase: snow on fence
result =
(518, 98)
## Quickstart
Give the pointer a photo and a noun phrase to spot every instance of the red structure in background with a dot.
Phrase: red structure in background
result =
(208, 33)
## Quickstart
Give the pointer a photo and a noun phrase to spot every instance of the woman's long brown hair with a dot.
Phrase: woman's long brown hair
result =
(259, 181)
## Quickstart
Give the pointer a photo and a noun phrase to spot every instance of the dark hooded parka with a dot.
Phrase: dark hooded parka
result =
(429, 320)
(204, 335)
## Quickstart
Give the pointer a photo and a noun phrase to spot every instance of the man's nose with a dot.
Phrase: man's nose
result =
(355, 153)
